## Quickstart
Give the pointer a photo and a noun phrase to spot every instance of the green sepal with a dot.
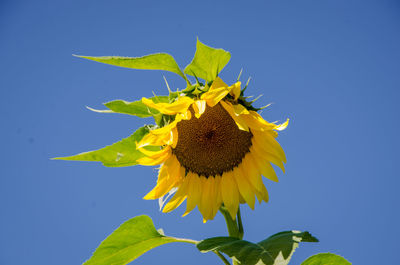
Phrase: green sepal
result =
(159, 119)
(119, 154)
(129, 241)
(277, 249)
(207, 62)
(156, 61)
(326, 259)
(163, 120)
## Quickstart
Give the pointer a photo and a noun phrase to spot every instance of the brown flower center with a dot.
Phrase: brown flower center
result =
(212, 144)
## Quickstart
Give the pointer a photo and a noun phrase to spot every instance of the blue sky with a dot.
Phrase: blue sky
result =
(332, 67)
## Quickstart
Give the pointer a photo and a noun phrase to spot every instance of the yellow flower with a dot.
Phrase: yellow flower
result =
(214, 152)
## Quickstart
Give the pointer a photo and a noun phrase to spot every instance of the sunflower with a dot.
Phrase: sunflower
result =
(213, 152)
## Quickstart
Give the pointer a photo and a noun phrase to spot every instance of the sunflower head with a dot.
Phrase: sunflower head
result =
(210, 143)
(214, 150)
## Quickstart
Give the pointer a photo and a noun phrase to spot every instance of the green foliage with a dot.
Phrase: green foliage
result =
(133, 238)
(136, 108)
(157, 61)
(138, 235)
(119, 154)
(207, 62)
(275, 250)
(326, 259)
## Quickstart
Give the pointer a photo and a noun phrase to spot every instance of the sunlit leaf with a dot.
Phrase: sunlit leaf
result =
(136, 108)
(275, 250)
(157, 61)
(207, 62)
(119, 154)
(326, 259)
(133, 238)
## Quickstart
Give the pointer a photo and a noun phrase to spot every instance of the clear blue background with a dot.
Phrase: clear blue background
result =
(332, 67)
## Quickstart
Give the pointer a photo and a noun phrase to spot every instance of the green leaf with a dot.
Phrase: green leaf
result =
(133, 238)
(275, 250)
(326, 259)
(157, 61)
(207, 62)
(136, 108)
(119, 154)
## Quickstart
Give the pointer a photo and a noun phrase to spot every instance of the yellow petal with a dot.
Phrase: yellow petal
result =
(269, 142)
(154, 154)
(217, 83)
(264, 146)
(244, 168)
(177, 199)
(174, 137)
(168, 177)
(217, 201)
(213, 97)
(241, 199)
(179, 196)
(212, 202)
(218, 91)
(230, 193)
(154, 139)
(236, 90)
(265, 196)
(265, 168)
(159, 136)
(240, 109)
(199, 106)
(205, 206)
(282, 126)
(237, 118)
(154, 158)
(194, 192)
(256, 122)
(251, 171)
(159, 190)
(173, 203)
(184, 116)
(181, 105)
(245, 189)
(219, 193)
(262, 154)
(175, 171)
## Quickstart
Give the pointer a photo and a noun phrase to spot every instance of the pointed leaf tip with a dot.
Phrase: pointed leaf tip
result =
(99, 111)
(207, 62)
(119, 154)
(156, 61)
(129, 241)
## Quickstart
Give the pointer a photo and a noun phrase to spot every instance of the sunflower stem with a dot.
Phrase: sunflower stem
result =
(231, 224)
(235, 227)
(240, 225)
